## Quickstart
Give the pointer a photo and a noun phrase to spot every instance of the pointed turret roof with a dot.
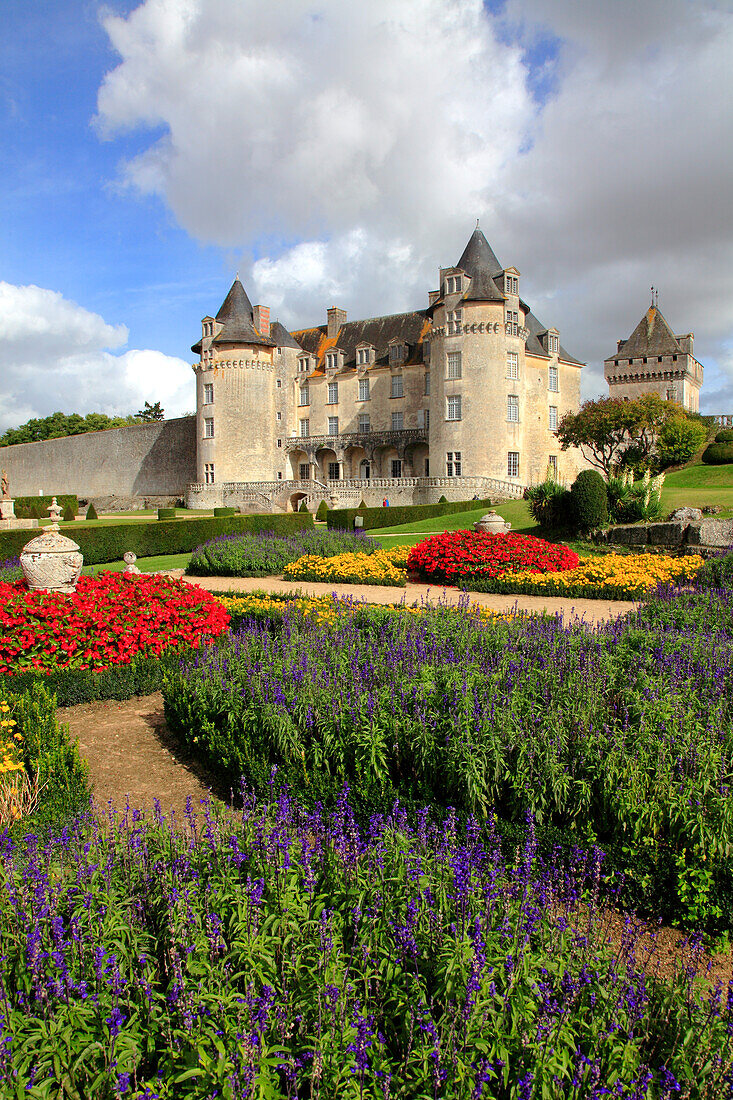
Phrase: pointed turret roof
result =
(478, 258)
(282, 337)
(236, 316)
(652, 336)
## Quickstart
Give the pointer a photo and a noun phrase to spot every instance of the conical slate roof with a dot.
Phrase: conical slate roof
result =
(483, 288)
(236, 315)
(478, 257)
(282, 337)
(652, 336)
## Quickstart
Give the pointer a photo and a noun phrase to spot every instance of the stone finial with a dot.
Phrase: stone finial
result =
(129, 559)
(492, 524)
(54, 511)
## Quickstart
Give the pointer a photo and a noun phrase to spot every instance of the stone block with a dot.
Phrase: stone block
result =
(711, 532)
(666, 534)
(627, 535)
(686, 514)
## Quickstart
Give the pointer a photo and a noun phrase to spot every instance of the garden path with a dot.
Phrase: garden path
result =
(590, 611)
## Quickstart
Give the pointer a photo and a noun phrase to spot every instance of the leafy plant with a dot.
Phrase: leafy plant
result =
(91, 511)
(265, 553)
(549, 504)
(679, 440)
(589, 500)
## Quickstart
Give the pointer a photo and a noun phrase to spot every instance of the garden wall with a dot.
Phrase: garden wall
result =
(688, 537)
(155, 459)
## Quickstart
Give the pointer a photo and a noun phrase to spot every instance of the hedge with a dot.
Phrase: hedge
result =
(37, 507)
(718, 454)
(343, 518)
(102, 544)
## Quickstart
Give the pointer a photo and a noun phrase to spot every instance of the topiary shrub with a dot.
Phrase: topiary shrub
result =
(726, 436)
(322, 512)
(442, 500)
(225, 512)
(166, 513)
(303, 506)
(69, 515)
(718, 454)
(590, 501)
(92, 511)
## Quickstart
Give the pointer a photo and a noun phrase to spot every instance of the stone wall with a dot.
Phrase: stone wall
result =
(155, 459)
(682, 536)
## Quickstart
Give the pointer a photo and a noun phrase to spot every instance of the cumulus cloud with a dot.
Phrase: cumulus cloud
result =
(54, 354)
(346, 149)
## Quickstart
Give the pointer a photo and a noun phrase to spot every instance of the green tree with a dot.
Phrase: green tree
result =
(680, 439)
(151, 412)
(608, 430)
(60, 424)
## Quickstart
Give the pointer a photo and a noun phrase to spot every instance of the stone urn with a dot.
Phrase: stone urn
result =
(491, 524)
(51, 562)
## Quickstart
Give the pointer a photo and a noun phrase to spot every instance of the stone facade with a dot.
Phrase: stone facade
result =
(461, 394)
(654, 360)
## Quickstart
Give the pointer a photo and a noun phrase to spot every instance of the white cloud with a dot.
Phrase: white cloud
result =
(346, 149)
(54, 354)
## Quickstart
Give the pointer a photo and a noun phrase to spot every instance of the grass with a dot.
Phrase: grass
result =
(696, 485)
(146, 565)
(515, 512)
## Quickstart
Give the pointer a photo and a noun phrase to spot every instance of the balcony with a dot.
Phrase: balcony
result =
(368, 441)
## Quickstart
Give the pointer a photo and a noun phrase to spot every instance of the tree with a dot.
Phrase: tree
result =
(151, 412)
(60, 424)
(680, 439)
(609, 431)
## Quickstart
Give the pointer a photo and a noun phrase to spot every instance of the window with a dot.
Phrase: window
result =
(333, 471)
(363, 389)
(333, 425)
(396, 467)
(553, 418)
(552, 384)
(364, 422)
(208, 393)
(305, 427)
(209, 473)
(279, 472)
(303, 363)
(512, 408)
(453, 464)
(454, 364)
(426, 391)
(278, 416)
(304, 396)
(512, 464)
(512, 322)
(453, 322)
(365, 468)
(304, 471)
(398, 422)
(427, 467)
(553, 344)
(333, 393)
(512, 365)
(671, 395)
(453, 284)
(397, 387)
(552, 465)
(454, 407)
(362, 355)
(332, 360)
(208, 427)
(511, 284)
(279, 386)
(423, 419)
(426, 351)
(396, 353)
(279, 442)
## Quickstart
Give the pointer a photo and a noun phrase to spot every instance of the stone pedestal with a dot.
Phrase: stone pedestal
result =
(7, 509)
(492, 524)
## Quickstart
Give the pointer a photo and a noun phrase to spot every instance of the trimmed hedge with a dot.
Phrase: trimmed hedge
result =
(37, 507)
(726, 436)
(225, 512)
(718, 454)
(166, 513)
(343, 518)
(589, 500)
(103, 544)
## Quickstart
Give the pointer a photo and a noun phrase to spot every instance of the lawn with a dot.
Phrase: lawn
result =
(515, 512)
(145, 565)
(698, 485)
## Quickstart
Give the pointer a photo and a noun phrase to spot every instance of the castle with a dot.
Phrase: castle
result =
(461, 398)
(654, 360)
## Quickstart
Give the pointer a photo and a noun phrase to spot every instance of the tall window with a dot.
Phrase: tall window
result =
(304, 471)
(512, 322)
(208, 393)
(398, 422)
(397, 387)
(303, 364)
(512, 464)
(426, 391)
(454, 407)
(279, 383)
(333, 471)
(512, 365)
(305, 427)
(552, 384)
(554, 343)
(511, 284)
(454, 364)
(279, 442)
(453, 464)
(396, 467)
(333, 393)
(208, 427)
(364, 422)
(426, 351)
(396, 353)
(552, 465)
(553, 418)
(512, 408)
(453, 284)
(332, 360)
(363, 389)
(453, 322)
(333, 425)
(362, 355)
(209, 473)
(278, 416)
(423, 419)
(304, 396)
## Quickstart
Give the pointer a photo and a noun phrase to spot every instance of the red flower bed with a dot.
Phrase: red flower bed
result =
(455, 555)
(108, 620)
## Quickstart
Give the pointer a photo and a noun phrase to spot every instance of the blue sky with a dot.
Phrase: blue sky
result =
(338, 155)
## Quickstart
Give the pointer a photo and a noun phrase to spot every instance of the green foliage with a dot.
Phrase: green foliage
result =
(718, 454)
(69, 514)
(716, 572)
(37, 507)
(166, 513)
(589, 501)
(303, 506)
(262, 554)
(362, 505)
(225, 511)
(725, 436)
(62, 424)
(679, 439)
(91, 511)
(550, 504)
(630, 501)
(150, 412)
(395, 515)
(106, 543)
(608, 429)
(322, 512)
(442, 500)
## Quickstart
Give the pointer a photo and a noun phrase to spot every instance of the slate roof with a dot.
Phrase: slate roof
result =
(652, 336)
(237, 318)
(378, 331)
(282, 337)
(534, 344)
(478, 257)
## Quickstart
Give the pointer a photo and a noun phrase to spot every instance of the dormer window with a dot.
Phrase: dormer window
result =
(331, 362)
(303, 363)
(453, 284)
(396, 353)
(453, 321)
(364, 356)
(511, 284)
(553, 341)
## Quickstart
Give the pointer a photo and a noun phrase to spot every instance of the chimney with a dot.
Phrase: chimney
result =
(336, 318)
(262, 320)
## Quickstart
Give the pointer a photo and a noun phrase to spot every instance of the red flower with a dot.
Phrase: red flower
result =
(456, 555)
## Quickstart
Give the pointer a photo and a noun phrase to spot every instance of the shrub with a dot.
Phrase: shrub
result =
(725, 436)
(549, 504)
(442, 500)
(322, 511)
(166, 513)
(260, 555)
(397, 514)
(37, 507)
(717, 572)
(679, 439)
(225, 512)
(303, 506)
(91, 511)
(68, 514)
(718, 454)
(454, 556)
(589, 500)
(630, 501)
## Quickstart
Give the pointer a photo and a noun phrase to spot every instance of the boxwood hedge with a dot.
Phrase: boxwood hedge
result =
(400, 513)
(37, 507)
